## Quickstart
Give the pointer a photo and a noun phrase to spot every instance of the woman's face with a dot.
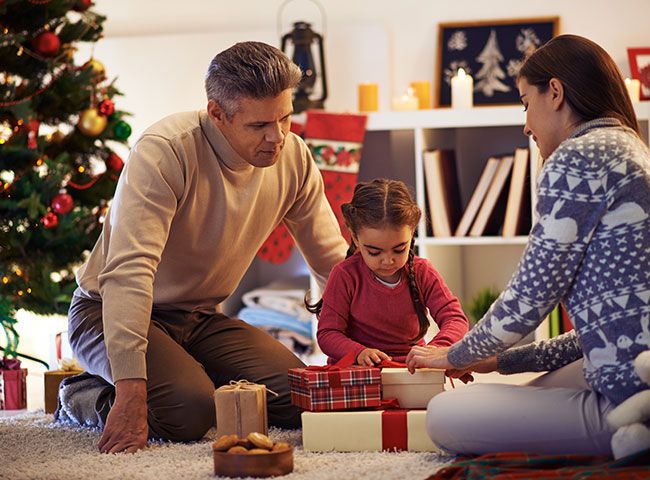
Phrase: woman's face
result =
(544, 121)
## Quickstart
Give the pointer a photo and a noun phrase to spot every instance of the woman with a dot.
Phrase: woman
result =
(588, 249)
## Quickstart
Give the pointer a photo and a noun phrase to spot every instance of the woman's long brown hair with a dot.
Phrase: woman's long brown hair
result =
(593, 84)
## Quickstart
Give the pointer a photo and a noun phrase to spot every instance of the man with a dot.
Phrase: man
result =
(199, 195)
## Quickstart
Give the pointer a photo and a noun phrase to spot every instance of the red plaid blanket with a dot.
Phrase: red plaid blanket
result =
(516, 466)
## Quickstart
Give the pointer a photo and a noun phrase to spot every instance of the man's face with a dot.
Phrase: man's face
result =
(258, 128)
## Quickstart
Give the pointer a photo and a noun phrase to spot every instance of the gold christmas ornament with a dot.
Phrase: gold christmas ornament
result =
(98, 67)
(91, 123)
(57, 136)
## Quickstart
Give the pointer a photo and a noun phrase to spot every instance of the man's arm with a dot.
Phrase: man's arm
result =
(137, 230)
(136, 233)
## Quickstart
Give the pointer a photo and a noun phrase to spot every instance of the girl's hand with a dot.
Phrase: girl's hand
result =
(428, 356)
(371, 357)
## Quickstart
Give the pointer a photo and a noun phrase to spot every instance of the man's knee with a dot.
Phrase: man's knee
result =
(186, 415)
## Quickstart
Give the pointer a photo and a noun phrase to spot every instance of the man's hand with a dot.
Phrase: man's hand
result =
(428, 356)
(371, 357)
(126, 428)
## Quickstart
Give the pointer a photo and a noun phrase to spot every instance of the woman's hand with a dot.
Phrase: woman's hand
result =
(465, 374)
(428, 356)
(371, 357)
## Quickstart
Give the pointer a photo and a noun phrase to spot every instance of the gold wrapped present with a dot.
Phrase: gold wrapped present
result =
(241, 408)
(53, 380)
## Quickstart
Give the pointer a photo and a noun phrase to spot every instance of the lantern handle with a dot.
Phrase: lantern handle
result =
(284, 4)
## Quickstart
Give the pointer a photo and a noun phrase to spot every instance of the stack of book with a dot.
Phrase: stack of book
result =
(500, 203)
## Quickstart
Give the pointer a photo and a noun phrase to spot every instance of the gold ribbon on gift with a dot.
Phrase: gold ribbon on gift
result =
(245, 385)
(70, 365)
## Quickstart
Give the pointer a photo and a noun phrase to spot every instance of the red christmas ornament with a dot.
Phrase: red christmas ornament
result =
(62, 203)
(106, 107)
(32, 133)
(46, 44)
(82, 5)
(50, 220)
(114, 162)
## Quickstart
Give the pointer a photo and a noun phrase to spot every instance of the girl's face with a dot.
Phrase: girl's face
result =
(385, 250)
(543, 118)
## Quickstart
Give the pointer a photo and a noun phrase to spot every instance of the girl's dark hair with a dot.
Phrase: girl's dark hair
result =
(378, 204)
(593, 84)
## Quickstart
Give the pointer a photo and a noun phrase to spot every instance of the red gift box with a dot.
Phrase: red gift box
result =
(335, 387)
(13, 385)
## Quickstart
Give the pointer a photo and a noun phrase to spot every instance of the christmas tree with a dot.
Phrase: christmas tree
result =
(58, 123)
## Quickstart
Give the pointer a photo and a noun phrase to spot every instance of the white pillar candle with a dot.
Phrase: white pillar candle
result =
(462, 90)
(633, 89)
(407, 101)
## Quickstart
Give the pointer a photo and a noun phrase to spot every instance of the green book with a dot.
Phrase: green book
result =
(554, 322)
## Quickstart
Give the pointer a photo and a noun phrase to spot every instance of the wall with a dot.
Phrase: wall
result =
(410, 24)
(161, 53)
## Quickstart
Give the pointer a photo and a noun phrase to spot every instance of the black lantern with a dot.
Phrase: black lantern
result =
(302, 37)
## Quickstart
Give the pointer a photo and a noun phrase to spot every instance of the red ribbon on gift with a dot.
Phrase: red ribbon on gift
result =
(335, 378)
(394, 430)
(391, 364)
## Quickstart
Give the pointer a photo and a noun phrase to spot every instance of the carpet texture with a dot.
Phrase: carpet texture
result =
(32, 446)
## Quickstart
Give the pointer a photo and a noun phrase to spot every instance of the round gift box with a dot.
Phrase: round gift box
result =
(270, 464)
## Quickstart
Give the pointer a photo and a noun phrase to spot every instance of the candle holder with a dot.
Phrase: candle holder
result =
(422, 90)
(405, 102)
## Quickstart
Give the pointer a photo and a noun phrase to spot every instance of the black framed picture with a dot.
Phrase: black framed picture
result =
(491, 52)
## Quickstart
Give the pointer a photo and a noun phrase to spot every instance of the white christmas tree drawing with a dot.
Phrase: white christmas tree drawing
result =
(527, 41)
(491, 73)
(458, 41)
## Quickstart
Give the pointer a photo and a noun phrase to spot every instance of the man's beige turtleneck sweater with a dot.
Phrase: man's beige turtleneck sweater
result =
(188, 217)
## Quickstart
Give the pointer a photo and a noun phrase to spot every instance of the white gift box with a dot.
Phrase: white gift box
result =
(412, 390)
(366, 431)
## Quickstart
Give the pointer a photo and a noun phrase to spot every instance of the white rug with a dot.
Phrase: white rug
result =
(32, 446)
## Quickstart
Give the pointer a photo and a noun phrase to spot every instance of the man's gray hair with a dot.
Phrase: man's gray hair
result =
(252, 70)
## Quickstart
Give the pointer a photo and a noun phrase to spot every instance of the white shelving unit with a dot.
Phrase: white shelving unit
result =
(467, 264)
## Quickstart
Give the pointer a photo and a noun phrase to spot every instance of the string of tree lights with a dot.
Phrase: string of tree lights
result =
(58, 122)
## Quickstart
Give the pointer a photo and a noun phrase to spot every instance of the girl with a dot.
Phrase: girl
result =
(588, 249)
(375, 301)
